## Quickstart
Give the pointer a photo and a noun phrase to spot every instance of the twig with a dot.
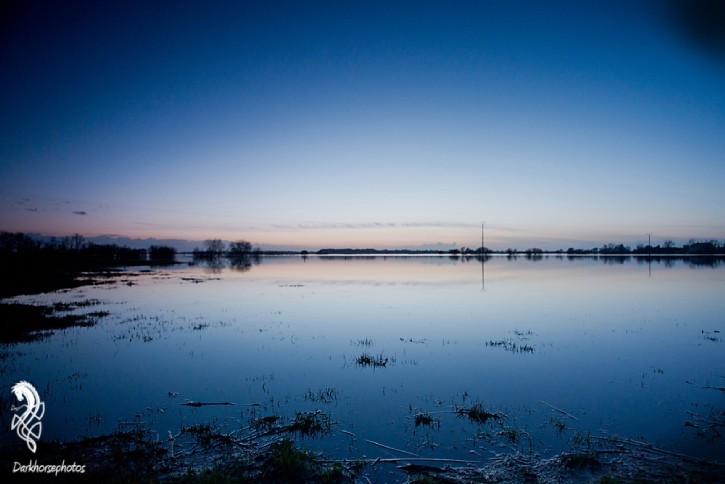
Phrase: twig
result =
(415, 468)
(204, 404)
(559, 410)
(390, 448)
(712, 420)
(706, 387)
(395, 460)
(647, 446)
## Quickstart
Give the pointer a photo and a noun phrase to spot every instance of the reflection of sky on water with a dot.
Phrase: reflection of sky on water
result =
(612, 345)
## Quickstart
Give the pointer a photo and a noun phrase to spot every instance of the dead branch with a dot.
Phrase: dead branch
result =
(559, 410)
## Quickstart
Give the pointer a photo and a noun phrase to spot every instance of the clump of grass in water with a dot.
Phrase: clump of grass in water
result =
(511, 346)
(264, 422)
(512, 434)
(366, 342)
(311, 424)
(206, 434)
(327, 395)
(423, 419)
(366, 359)
(476, 413)
(285, 461)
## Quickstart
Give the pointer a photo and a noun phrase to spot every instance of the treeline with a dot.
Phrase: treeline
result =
(693, 247)
(75, 249)
(215, 248)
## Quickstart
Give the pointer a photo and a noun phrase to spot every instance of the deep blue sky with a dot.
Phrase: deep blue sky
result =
(363, 123)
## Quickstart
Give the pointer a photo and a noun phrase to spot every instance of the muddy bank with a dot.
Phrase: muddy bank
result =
(272, 449)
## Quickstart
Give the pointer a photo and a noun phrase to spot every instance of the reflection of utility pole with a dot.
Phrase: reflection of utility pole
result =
(483, 255)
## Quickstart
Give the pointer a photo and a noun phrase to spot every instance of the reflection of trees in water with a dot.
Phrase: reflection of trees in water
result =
(215, 264)
(693, 261)
(704, 261)
(243, 263)
(615, 259)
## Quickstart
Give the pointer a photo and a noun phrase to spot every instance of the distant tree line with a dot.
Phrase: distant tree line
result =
(693, 247)
(30, 266)
(75, 249)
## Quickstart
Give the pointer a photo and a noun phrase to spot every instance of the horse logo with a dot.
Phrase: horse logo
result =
(27, 424)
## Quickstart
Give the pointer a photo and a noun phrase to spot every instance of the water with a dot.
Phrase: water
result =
(622, 347)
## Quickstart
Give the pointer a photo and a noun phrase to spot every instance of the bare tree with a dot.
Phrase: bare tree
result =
(77, 241)
(240, 247)
(214, 247)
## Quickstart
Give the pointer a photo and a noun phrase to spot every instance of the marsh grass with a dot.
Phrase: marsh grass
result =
(366, 359)
(511, 346)
(134, 453)
(476, 413)
(326, 395)
(311, 424)
(366, 342)
(423, 418)
(207, 434)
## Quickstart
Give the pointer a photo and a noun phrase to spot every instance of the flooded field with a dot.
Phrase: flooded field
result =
(432, 356)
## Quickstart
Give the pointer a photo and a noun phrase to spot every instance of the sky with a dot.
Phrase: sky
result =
(365, 124)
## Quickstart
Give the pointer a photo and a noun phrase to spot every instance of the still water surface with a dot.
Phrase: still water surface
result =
(621, 347)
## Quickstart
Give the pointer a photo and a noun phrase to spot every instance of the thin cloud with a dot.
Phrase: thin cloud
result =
(368, 225)
(79, 212)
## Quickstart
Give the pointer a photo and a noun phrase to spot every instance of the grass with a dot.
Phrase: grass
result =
(476, 413)
(423, 418)
(366, 359)
(326, 395)
(366, 342)
(206, 434)
(136, 454)
(511, 346)
(311, 424)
